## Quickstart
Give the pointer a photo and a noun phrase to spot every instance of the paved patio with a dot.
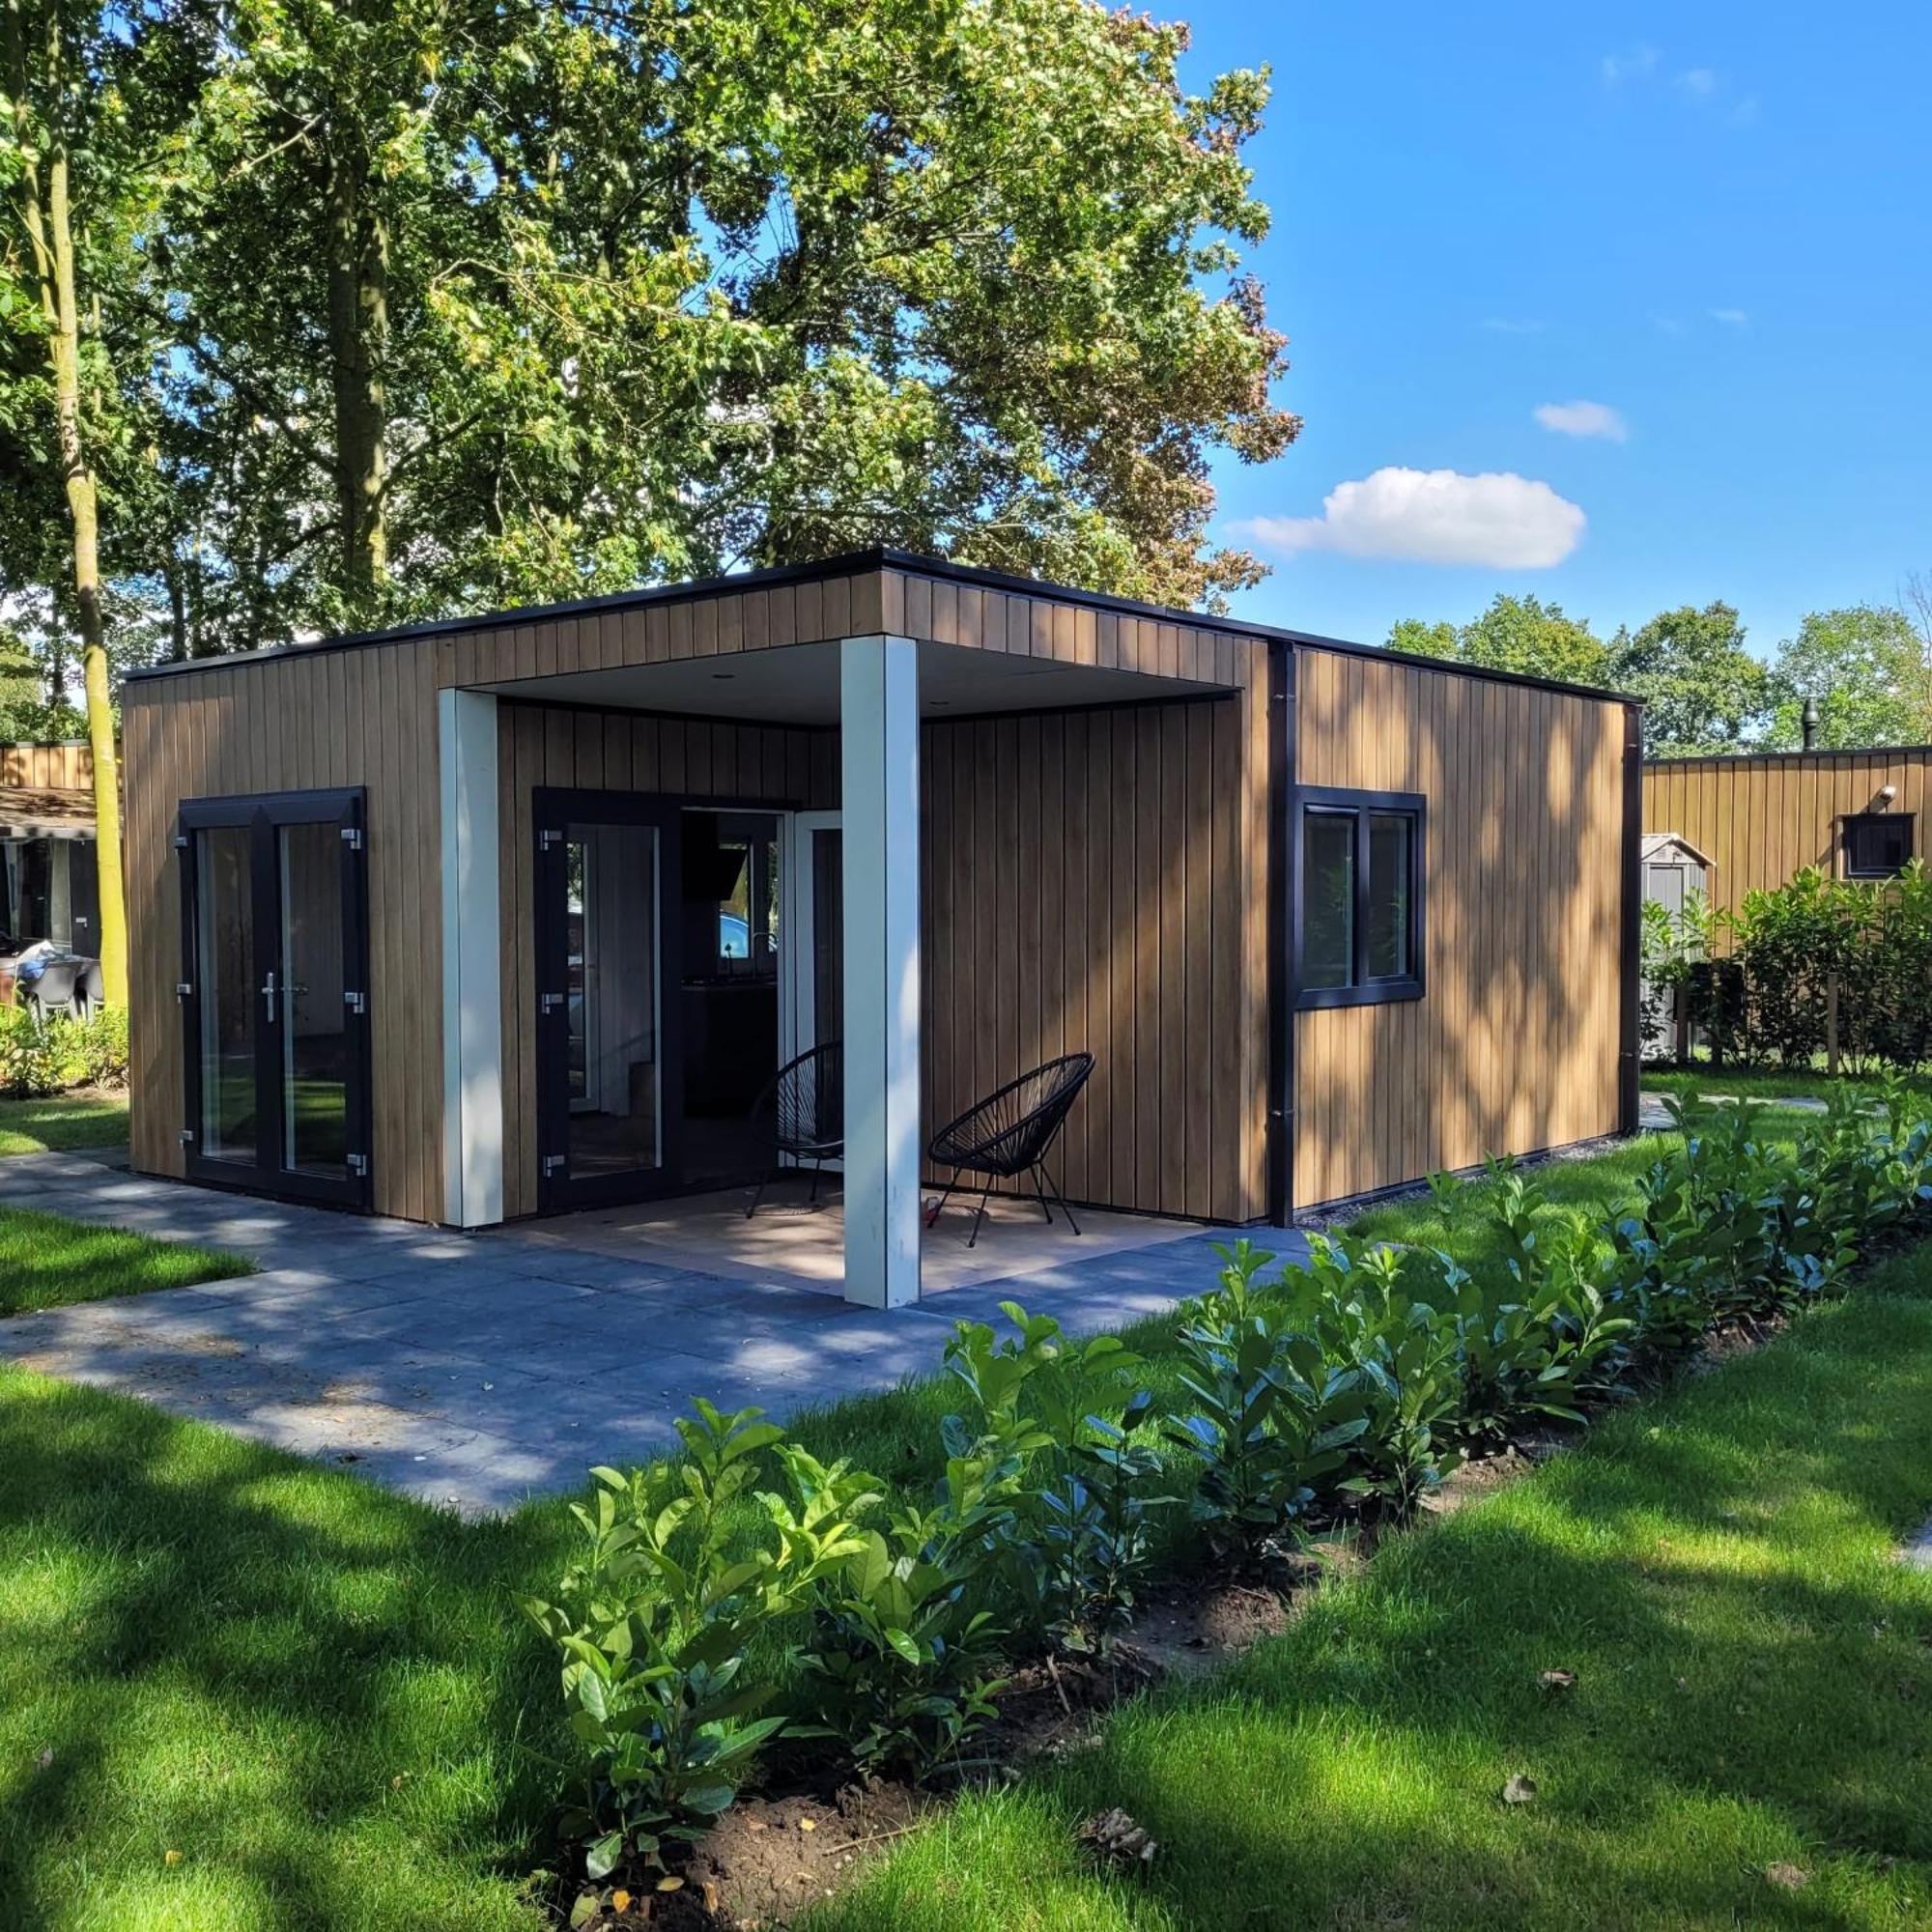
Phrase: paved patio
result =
(475, 1370)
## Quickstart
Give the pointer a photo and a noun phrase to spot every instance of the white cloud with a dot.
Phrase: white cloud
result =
(1616, 68)
(1435, 516)
(1668, 324)
(1503, 325)
(1701, 81)
(1736, 317)
(1580, 418)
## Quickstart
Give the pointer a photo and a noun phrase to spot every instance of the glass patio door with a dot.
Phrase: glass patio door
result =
(274, 994)
(817, 972)
(608, 1063)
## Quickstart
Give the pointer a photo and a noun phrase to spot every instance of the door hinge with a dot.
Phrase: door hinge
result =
(183, 990)
(553, 1163)
(546, 839)
(180, 841)
(358, 1164)
(357, 1003)
(188, 1137)
(352, 837)
(548, 1002)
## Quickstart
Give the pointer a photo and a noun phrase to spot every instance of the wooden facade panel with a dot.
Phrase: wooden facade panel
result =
(1515, 1044)
(298, 723)
(64, 767)
(1761, 820)
(1072, 901)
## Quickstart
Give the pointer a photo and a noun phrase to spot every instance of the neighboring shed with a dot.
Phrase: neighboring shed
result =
(1673, 870)
(47, 882)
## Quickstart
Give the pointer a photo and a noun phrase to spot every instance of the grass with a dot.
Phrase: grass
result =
(66, 1120)
(1753, 1675)
(320, 1695)
(46, 1261)
(1765, 1084)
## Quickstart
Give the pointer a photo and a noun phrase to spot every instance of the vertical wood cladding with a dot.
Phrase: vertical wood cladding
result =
(1085, 891)
(298, 723)
(1761, 820)
(1514, 1046)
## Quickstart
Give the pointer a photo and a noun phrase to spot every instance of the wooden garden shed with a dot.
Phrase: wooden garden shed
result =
(514, 914)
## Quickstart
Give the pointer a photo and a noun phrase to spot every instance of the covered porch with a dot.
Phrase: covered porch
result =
(939, 781)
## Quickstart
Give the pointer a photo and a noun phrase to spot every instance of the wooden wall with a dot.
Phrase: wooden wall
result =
(1515, 1044)
(1085, 890)
(720, 622)
(1761, 820)
(66, 767)
(751, 764)
(295, 723)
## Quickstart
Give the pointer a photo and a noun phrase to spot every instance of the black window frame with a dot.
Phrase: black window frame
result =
(1852, 819)
(1363, 990)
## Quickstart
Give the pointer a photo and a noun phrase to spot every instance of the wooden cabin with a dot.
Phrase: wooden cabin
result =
(48, 889)
(1764, 817)
(514, 914)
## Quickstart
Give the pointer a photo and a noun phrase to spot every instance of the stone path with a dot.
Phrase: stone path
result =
(475, 1370)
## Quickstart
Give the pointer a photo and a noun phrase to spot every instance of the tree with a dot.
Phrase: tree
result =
(1514, 634)
(1868, 667)
(529, 299)
(1702, 690)
(77, 196)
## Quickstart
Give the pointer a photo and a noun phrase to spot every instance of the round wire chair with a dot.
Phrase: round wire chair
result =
(805, 1101)
(1009, 1133)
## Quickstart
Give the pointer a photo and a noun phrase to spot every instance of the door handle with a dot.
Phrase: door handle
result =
(548, 1003)
(269, 994)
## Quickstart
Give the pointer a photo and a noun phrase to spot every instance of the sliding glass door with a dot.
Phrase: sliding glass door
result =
(274, 994)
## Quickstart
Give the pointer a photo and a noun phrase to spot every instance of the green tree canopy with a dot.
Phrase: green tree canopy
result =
(472, 303)
(1514, 634)
(1702, 690)
(1870, 671)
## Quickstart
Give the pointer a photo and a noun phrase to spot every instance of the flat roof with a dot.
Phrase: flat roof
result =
(1772, 758)
(851, 563)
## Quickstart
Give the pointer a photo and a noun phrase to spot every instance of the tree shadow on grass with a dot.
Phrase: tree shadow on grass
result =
(321, 1693)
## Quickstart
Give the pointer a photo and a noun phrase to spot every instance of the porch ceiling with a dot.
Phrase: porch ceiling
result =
(798, 684)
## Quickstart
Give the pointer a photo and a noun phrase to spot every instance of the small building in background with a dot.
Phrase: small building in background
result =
(1763, 817)
(47, 848)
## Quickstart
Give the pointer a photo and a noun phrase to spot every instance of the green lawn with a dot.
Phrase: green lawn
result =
(66, 1120)
(1755, 1683)
(321, 1696)
(1763, 1084)
(46, 1261)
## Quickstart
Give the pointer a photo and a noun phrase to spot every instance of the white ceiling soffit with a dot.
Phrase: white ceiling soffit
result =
(798, 685)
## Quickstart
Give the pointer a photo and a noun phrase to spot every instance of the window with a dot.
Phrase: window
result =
(1358, 928)
(1877, 844)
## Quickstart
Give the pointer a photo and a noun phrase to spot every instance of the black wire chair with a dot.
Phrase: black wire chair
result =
(1009, 1133)
(806, 1100)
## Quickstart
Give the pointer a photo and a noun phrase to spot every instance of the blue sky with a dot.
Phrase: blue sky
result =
(1714, 221)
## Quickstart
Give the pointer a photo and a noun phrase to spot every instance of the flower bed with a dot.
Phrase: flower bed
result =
(1313, 1399)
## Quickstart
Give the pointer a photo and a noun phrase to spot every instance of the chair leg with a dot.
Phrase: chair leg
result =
(757, 1197)
(817, 1168)
(939, 1206)
(985, 1195)
(1040, 1194)
(1064, 1208)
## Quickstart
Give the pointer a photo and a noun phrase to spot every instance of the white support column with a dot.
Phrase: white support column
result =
(878, 726)
(472, 942)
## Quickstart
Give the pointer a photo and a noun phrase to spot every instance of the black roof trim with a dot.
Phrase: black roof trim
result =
(876, 558)
(1822, 752)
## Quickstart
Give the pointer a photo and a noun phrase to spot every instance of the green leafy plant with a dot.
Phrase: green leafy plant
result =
(655, 1622)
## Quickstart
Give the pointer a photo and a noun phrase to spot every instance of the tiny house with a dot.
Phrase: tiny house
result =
(1762, 816)
(46, 847)
(515, 914)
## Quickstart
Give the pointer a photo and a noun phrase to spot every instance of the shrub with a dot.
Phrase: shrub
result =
(46, 1053)
(654, 1626)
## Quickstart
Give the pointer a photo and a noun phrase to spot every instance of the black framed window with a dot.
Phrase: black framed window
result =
(1877, 844)
(1359, 929)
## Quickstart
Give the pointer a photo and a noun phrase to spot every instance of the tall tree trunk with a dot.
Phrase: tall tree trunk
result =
(50, 233)
(358, 327)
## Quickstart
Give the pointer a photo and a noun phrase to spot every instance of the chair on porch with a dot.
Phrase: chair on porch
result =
(804, 1107)
(1009, 1134)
